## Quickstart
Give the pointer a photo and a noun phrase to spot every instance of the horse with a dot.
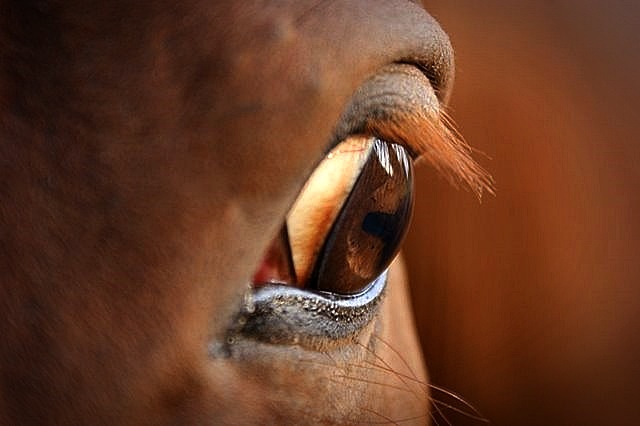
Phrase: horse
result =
(150, 153)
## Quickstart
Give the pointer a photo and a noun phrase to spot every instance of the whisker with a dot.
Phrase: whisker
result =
(368, 382)
(389, 420)
(430, 385)
(436, 408)
(386, 368)
(434, 387)
(386, 418)
(436, 403)
(439, 411)
(399, 421)
(476, 415)
(459, 411)
(457, 398)
(390, 370)
(406, 364)
(371, 382)
(397, 374)
(393, 371)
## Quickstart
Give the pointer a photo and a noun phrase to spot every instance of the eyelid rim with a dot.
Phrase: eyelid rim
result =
(288, 315)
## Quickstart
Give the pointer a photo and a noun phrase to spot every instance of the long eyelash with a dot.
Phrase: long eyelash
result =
(435, 140)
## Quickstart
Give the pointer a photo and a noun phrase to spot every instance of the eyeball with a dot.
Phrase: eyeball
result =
(347, 224)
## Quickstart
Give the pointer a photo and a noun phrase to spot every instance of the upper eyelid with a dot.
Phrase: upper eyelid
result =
(399, 105)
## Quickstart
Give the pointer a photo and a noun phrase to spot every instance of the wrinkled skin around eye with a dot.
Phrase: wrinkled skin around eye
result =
(149, 152)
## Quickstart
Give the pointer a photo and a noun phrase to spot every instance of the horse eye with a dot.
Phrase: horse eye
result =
(347, 224)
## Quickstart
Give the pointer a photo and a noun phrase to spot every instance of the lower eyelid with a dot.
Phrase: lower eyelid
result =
(286, 315)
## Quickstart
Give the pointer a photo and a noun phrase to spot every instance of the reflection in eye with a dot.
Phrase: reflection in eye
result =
(347, 224)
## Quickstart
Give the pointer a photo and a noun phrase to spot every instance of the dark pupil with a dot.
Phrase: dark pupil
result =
(367, 234)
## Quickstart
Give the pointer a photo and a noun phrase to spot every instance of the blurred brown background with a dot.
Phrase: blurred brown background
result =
(529, 304)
